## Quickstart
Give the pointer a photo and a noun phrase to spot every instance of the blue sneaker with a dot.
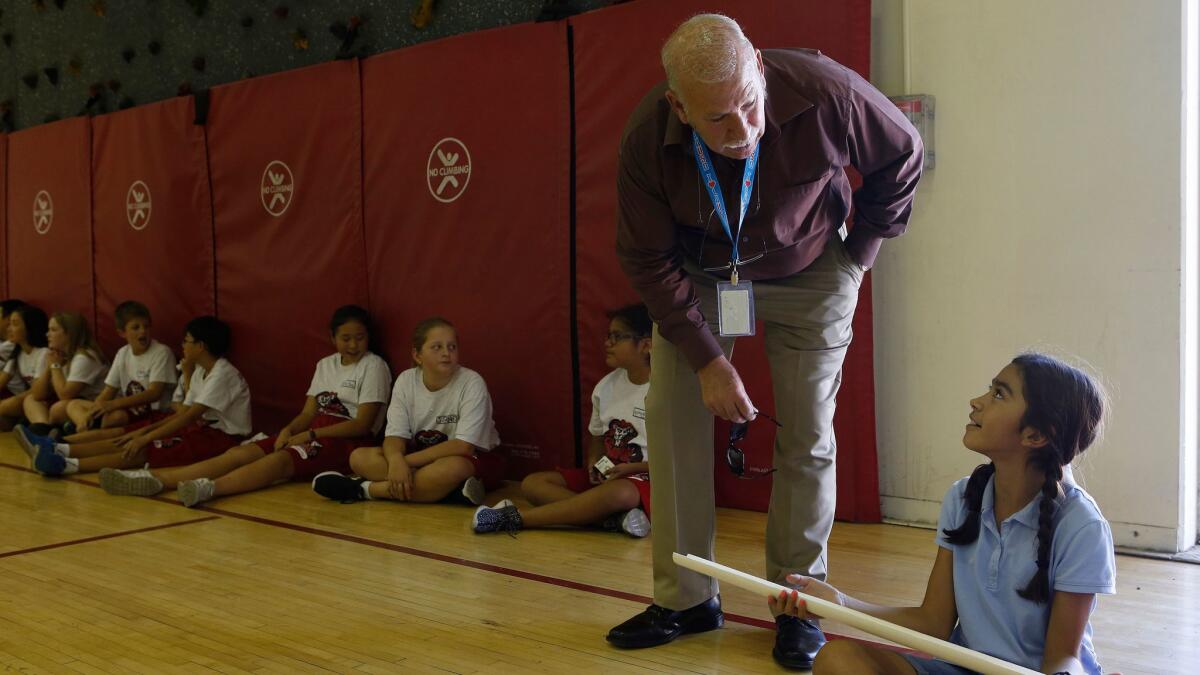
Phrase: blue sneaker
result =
(48, 462)
(30, 442)
(506, 518)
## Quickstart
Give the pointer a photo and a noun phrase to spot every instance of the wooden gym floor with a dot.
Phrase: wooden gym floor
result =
(284, 581)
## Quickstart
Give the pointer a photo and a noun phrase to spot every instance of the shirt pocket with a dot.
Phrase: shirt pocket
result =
(799, 210)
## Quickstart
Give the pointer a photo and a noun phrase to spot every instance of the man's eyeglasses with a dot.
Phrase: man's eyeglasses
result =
(615, 336)
(734, 455)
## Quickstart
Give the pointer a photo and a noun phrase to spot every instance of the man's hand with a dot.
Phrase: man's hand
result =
(723, 393)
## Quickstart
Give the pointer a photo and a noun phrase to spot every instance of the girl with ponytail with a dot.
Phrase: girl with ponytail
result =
(1022, 550)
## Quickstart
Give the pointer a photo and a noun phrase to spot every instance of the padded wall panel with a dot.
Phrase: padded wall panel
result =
(50, 217)
(285, 161)
(466, 170)
(152, 215)
(3, 215)
(608, 84)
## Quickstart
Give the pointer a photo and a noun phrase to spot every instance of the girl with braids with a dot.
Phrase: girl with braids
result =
(1022, 550)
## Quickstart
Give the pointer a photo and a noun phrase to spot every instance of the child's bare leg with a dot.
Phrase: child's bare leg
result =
(116, 460)
(116, 418)
(847, 657)
(369, 463)
(94, 435)
(12, 409)
(94, 449)
(585, 508)
(79, 410)
(58, 412)
(215, 467)
(546, 487)
(265, 472)
(431, 482)
(37, 412)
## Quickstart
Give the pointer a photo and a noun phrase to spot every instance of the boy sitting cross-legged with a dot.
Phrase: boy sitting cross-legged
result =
(214, 416)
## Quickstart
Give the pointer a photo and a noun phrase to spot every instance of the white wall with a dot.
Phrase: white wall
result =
(1053, 219)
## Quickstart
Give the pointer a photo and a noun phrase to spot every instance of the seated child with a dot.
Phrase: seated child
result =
(1023, 550)
(618, 428)
(439, 432)
(214, 416)
(75, 369)
(7, 347)
(27, 327)
(343, 410)
(140, 382)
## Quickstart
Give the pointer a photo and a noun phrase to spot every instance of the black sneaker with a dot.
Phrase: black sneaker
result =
(68, 428)
(337, 487)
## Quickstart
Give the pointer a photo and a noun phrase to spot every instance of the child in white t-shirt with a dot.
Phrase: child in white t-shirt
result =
(27, 326)
(75, 369)
(343, 410)
(214, 416)
(140, 382)
(7, 346)
(617, 489)
(438, 436)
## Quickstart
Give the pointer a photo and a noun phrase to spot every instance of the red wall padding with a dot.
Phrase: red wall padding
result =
(495, 259)
(608, 84)
(152, 218)
(3, 215)
(53, 268)
(285, 162)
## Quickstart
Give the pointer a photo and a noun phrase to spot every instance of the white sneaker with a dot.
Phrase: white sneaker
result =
(136, 482)
(474, 491)
(503, 503)
(195, 492)
(635, 523)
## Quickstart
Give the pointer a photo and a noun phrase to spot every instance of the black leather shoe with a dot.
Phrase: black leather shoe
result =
(796, 642)
(659, 625)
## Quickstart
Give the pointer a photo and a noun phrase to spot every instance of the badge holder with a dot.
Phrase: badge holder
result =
(735, 307)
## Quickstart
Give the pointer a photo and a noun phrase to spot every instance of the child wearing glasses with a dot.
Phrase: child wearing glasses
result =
(1022, 550)
(614, 489)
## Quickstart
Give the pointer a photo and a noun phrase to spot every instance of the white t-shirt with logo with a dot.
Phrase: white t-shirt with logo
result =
(460, 410)
(339, 390)
(85, 368)
(25, 368)
(225, 392)
(619, 415)
(133, 374)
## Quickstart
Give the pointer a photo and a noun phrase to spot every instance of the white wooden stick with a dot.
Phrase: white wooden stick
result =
(956, 654)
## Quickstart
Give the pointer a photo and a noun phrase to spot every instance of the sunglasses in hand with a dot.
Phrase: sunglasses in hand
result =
(734, 455)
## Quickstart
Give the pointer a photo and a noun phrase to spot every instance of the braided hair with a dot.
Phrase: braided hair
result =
(1066, 406)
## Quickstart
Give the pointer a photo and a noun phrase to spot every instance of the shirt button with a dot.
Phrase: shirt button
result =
(745, 239)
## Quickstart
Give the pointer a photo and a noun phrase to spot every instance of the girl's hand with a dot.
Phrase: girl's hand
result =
(620, 471)
(54, 356)
(399, 480)
(789, 602)
(134, 446)
(100, 410)
(283, 439)
(595, 476)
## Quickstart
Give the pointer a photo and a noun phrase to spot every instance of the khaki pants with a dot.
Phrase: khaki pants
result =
(807, 319)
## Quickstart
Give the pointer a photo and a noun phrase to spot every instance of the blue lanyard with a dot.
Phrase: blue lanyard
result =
(704, 161)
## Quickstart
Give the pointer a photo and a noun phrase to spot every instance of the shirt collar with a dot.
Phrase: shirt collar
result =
(783, 104)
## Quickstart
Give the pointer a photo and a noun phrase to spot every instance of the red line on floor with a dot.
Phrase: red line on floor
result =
(464, 562)
(110, 535)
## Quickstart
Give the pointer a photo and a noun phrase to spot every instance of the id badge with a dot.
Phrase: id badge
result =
(735, 308)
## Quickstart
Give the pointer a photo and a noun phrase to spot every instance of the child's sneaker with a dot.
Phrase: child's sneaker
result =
(30, 442)
(473, 491)
(635, 523)
(195, 492)
(136, 482)
(339, 488)
(505, 518)
(48, 462)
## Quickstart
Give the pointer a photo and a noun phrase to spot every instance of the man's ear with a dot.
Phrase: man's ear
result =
(677, 106)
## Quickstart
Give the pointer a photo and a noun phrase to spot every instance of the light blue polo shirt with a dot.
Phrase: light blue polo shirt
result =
(992, 618)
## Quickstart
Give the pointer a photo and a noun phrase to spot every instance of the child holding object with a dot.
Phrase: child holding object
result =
(1023, 550)
(615, 485)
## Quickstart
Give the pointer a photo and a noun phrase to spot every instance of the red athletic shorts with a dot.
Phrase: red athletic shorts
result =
(146, 420)
(192, 444)
(327, 454)
(578, 481)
